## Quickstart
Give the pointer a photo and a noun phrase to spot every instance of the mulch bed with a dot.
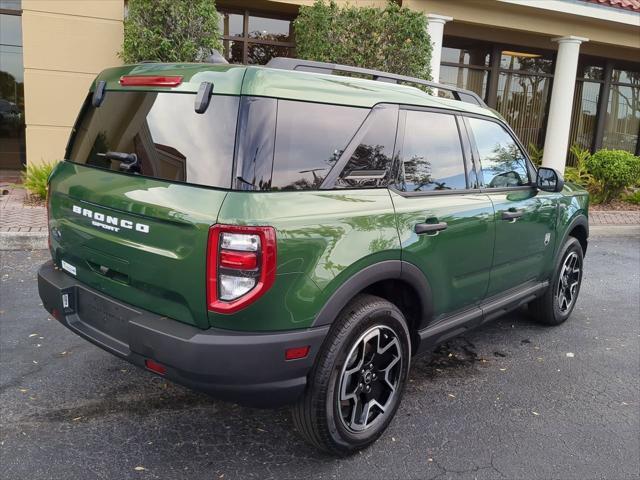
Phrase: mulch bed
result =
(615, 205)
(33, 201)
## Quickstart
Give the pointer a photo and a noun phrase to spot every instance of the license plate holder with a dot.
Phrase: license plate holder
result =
(104, 314)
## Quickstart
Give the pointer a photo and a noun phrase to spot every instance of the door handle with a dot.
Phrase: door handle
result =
(430, 228)
(512, 215)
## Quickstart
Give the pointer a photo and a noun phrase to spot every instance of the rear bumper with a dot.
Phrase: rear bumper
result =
(248, 368)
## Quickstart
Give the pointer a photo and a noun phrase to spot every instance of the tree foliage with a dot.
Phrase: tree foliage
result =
(170, 31)
(391, 39)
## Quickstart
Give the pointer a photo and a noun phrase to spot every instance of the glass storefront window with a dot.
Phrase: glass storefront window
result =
(466, 52)
(625, 76)
(264, 38)
(260, 53)
(231, 24)
(584, 115)
(468, 78)
(233, 51)
(269, 28)
(623, 117)
(523, 101)
(526, 61)
(12, 146)
(590, 68)
(606, 104)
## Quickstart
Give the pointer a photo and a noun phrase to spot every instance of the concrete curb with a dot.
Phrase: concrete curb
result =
(614, 231)
(23, 241)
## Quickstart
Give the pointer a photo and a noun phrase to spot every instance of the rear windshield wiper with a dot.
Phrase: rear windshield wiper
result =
(128, 161)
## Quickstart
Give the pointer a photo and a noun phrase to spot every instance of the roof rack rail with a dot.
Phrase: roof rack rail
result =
(284, 63)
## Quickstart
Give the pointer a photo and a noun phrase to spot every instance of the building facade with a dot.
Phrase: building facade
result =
(561, 72)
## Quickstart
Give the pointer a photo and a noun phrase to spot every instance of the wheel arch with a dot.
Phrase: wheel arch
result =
(397, 281)
(579, 229)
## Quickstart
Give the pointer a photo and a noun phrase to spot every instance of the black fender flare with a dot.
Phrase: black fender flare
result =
(385, 270)
(579, 220)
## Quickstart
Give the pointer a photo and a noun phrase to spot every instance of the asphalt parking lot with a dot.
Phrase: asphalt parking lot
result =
(512, 400)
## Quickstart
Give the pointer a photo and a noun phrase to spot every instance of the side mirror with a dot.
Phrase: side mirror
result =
(550, 180)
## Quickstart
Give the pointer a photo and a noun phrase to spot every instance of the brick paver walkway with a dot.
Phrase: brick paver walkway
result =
(611, 217)
(15, 216)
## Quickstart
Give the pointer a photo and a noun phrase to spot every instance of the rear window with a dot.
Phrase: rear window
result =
(171, 141)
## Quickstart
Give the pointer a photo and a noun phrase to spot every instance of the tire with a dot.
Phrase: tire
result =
(341, 370)
(556, 304)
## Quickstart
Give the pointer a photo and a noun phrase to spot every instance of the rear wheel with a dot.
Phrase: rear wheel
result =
(557, 303)
(357, 383)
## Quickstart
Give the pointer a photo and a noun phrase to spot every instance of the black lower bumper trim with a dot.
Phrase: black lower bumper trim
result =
(248, 368)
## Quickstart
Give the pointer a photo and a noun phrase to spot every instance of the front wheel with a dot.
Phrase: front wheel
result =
(355, 388)
(557, 303)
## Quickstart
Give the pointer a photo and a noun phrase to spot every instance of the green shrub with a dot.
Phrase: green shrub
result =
(392, 39)
(633, 197)
(614, 170)
(535, 154)
(35, 177)
(170, 31)
(579, 174)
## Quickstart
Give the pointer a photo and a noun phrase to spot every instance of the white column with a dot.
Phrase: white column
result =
(435, 27)
(559, 122)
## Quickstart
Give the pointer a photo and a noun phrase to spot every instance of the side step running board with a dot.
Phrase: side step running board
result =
(491, 309)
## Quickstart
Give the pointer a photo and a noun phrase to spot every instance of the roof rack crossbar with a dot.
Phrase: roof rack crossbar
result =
(284, 63)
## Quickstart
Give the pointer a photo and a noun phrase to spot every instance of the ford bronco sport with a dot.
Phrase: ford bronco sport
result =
(284, 235)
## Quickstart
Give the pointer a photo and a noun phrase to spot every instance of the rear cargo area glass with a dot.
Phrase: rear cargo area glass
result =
(172, 141)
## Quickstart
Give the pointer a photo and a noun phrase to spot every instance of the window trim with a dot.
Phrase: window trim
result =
(531, 170)
(467, 153)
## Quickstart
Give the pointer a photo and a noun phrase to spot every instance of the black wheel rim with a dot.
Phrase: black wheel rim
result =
(568, 282)
(370, 379)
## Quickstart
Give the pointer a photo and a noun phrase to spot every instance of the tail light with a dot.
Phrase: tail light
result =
(241, 266)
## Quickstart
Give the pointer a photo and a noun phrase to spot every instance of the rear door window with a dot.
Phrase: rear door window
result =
(371, 161)
(310, 137)
(431, 158)
(171, 141)
(503, 163)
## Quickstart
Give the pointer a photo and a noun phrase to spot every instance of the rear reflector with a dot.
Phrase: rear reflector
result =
(155, 366)
(296, 353)
(150, 81)
(240, 260)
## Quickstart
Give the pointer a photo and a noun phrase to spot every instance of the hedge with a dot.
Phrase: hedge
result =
(392, 39)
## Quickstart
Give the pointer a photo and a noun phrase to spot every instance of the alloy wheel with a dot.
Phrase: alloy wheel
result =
(370, 378)
(568, 282)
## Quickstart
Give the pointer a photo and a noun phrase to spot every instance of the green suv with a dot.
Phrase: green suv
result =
(288, 235)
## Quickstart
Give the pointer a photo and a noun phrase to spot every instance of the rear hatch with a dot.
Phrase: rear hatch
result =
(139, 232)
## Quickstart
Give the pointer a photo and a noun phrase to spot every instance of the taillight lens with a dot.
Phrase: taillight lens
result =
(241, 266)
